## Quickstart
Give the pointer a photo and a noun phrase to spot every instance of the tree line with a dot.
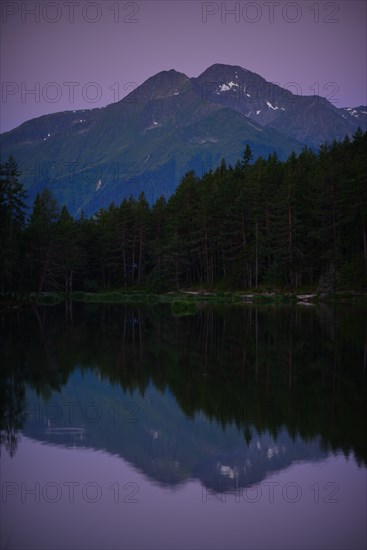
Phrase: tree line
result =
(258, 223)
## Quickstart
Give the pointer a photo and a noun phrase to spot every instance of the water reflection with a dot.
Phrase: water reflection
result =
(152, 433)
(226, 396)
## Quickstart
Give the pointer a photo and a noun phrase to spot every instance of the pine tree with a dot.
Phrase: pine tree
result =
(142, 230)
(156, 244)
(12, 220)
(69, 256)
(183, 229)
(41, 243)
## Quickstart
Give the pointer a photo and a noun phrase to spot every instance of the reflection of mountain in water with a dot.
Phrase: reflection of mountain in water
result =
(153, 434)
(237, 371)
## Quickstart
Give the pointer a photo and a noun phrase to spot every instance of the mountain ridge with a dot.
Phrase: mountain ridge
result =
(167, 126)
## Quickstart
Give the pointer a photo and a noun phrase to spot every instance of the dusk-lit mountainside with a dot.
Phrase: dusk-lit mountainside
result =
(167, 126)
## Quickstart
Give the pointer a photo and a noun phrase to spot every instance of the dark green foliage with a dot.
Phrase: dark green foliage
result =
(181, 308)
(268, 224)
(12, 218)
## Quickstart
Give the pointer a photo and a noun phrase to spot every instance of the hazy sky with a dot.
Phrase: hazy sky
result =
(74, 54)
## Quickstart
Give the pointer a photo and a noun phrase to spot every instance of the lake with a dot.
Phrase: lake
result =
(134, 427)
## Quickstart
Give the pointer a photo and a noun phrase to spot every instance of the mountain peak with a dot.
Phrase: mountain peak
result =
(163, 84)
(228, 78)
(221, 66)
(220, 70)
(175, 124)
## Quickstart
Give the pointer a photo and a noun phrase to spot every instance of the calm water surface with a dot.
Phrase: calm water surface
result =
(129, 427)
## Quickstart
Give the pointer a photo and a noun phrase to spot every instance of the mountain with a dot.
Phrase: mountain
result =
(312, 120)
(167, 126)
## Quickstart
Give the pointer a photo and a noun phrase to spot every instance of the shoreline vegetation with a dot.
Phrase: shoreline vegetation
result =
(182, 300)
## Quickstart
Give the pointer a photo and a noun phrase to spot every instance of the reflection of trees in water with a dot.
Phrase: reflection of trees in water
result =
(12, 411)
(266, 367)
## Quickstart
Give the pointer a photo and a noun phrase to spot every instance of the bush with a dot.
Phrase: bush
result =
(182, 308)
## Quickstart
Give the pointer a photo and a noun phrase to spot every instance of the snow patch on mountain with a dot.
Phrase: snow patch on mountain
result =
(227, 87)
(352, 112)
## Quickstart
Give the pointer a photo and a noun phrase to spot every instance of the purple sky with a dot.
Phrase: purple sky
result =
(311, 46)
